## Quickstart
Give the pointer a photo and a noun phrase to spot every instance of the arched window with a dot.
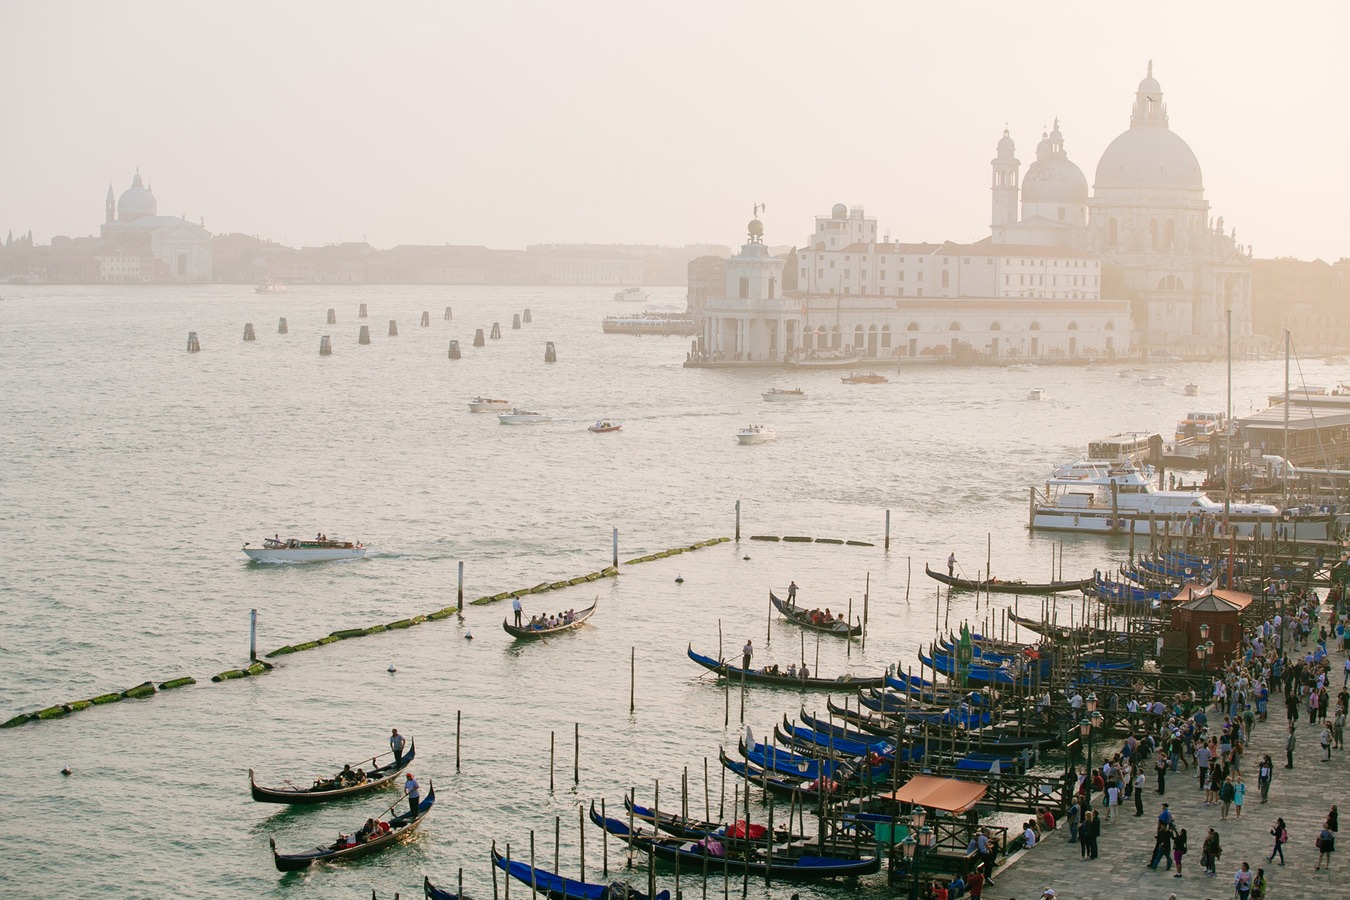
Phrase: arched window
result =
(1171, 283)
(995, 326)
(945, 278)
(1034, 326)
(885, 337)
(1110, 326)
(912, 326)
(858, 337)
(955, 326)
(1073, 326)
(836, 337)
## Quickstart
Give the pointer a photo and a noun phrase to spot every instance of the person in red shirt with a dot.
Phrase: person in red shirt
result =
(975, 884)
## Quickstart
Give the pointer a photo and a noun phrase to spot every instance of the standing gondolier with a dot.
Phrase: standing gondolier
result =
(951, 564)
(414, 792)
(792, 592)
(396, 744)
(747, 652)
(516, 608)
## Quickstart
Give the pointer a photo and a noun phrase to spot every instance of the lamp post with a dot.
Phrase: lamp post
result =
(914, 849)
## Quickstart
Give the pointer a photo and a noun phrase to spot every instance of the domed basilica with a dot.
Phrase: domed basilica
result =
(139, 246)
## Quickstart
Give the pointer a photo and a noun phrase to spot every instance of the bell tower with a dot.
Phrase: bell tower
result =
(109, 206)
(1005, 186)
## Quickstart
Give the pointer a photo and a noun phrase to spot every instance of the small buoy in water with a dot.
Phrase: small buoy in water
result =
(679, 579)
(746, 556)
(468, 635)
(392, 670)
(66, 770)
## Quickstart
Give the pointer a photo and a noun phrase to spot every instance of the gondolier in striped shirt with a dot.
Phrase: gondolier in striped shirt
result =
(414, 792)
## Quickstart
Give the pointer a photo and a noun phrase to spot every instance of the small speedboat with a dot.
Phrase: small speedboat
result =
(276, 549)
(270, 287)
(1152, 380)
(519, 416)
(1021, 367)
(1036, 394)
(487, 404)
(777, 395)
(864, 378)
(603, 427)
(756, 434)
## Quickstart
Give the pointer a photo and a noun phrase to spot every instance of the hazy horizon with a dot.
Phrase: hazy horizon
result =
(516, 123)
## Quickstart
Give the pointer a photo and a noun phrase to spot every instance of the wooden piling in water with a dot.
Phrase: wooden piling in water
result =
(738, 520)
(458, 715)
(551, 748)
(252, 635)
(361, 314)
(193, 345)
(496, 332)
(332, 316)
(576, 754)
(550, 352)
(426, 318)
(886, 544)
(632, 679)
(479, 338)
(364, 336)
(282, 327)
(393, 328)
(448, 314)
(515, 322)
(454, 350)
(248, 332)
(525, 317)
(326, 346)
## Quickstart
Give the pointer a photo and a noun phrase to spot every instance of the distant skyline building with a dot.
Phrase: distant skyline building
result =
(140, 246)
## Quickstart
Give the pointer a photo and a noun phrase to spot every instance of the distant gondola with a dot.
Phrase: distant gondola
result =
(526, 633)
(1009, 587)
(377, 777)
(401, 827)
(803, 618)
(431, 892)
(751, 676)
(557, 887)
(696, 829)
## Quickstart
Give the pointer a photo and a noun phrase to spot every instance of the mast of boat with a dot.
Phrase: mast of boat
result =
(1285, 442)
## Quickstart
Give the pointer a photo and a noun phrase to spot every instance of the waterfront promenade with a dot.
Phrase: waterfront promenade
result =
(1302, 796)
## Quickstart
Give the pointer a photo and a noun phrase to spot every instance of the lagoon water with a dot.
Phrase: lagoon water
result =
(132, 471)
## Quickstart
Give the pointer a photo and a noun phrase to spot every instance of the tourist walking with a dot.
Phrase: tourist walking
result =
(1139, 794)
(1162, 846)
(1326, 845)
(1239, 795)
(1281, 836)
(1242, 881)
(1161, 767)
(1178, 850)
(1264, 772)
(1226, 793)
(1094, 827)
(1325, 741)
(1210, 851)
(1259, 885)
(1289, 743)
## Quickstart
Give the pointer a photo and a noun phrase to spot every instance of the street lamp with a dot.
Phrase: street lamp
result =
(914, 849)
(1085, 729)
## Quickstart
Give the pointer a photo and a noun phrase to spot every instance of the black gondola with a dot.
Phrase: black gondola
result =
(736, 673)
(431, 892)
(557, 887)
(401, 828)
(322, 792)
(1009, 587)
(803, 618)
(527, 633)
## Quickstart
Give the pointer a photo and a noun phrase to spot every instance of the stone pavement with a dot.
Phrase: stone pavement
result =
(1302, 795)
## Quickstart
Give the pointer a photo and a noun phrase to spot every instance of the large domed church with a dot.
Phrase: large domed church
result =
(1147, 220)
(140, 246)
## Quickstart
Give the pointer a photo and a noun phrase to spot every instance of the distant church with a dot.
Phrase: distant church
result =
(139, 246)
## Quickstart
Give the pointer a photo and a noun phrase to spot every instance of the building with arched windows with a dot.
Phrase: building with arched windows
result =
(1132, 265)
(139, 246)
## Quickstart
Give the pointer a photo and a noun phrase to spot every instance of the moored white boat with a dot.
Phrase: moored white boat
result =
(519, 416)
(864, 378)
(487, 404)
(270, 287)
(1036, 394)
(756, 434)
(274, 549)
(779, 395)
(634, 294)
(604, 427)
(1152, 380)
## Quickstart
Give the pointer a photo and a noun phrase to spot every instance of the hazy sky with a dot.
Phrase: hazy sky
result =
(506, 123)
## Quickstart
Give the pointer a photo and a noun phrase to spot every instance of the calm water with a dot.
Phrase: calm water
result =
(131, 472)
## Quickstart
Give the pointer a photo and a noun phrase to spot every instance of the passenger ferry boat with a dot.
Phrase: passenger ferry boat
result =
(519, 416)
(274, 549)
(487, 404)
(756, 434)
(779, 395)
(1199, 427)
(634, 294)
(864, 378)
(655, 323)
(1103, 498)
(270, 287)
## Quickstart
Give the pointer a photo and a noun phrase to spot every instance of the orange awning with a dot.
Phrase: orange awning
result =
(947, 794)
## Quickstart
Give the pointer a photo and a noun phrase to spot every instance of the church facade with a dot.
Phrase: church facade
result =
(139, 246)
(1133, 266)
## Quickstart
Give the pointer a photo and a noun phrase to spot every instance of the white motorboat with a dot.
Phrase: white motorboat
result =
(1094, 497)
(487, 404)
(632, 294)
(604, 426)
(270, 287)
(756, 434)
(780, 395)
(1021, 367)
(1152, 380)
(519, 416)
(275, 549)
(1200, 427)
(1036, 394)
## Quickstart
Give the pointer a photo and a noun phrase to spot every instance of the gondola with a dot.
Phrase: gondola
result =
(431, 892)
(526, 633)
(557, 887)
(1008, 587)
(844, 682)
(324, 791)
(401, 828)
(790, 863)
(803, 618)
(695, 829)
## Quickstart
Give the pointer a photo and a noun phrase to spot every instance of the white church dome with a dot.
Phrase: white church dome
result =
(1053, 177)
(1149, 154)
(136, 202)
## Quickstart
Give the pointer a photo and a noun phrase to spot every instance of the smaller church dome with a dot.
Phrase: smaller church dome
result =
(1006, 142)
(136, 201)
(1053, 177)
(839, 211)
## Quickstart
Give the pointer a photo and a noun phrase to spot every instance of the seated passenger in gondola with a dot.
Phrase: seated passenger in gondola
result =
(806, 673)
(346, 776)
(361, 776)
(792, 670)
(368, 831)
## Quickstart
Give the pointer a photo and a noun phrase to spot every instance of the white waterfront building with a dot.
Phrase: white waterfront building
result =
(1135, 265)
